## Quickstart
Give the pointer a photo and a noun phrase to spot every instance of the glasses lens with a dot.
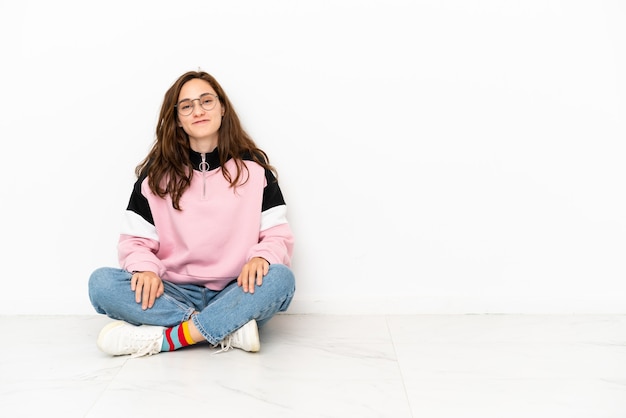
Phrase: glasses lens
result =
(208, 101)
(185, 107)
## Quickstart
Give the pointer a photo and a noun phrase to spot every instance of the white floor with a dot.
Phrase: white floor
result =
(456, 366)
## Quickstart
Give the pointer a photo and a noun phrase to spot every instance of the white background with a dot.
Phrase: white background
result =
(458, 156)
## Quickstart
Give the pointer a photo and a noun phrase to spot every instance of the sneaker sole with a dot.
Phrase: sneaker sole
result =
(105, 331)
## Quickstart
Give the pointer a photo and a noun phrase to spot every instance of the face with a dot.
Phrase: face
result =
(201, 125)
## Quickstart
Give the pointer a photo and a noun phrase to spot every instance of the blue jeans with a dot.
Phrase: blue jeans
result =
(219, 312)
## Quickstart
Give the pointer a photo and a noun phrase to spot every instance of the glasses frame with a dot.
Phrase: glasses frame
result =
(193, 105)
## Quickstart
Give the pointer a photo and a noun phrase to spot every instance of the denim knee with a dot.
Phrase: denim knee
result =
(282, 276)
(102, 282)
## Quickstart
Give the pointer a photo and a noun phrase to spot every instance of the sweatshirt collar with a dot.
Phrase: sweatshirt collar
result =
(212, 159)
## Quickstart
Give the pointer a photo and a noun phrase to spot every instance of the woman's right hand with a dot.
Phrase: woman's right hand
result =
(147, 286)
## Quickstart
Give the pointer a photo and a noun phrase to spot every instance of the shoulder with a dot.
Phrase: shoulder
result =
(255, 156)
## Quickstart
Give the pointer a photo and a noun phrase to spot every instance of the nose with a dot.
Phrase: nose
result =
(197, 109)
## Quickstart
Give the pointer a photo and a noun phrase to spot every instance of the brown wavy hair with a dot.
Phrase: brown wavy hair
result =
(168, 165)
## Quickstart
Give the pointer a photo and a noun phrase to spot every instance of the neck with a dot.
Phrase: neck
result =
(202, 146)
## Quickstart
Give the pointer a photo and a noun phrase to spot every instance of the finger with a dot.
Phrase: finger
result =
(138, 291)
(259, 275)
(251, 280)
(247, 279)
(152, 298)
(145, 297)
(246, 284)
(241, 281)
(250, 286)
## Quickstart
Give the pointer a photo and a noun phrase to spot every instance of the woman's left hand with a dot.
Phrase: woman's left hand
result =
(252, 273)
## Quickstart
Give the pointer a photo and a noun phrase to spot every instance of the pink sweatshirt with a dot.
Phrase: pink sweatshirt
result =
(218, 230)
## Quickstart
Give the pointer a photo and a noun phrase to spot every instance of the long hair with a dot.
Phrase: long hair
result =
(168, 165)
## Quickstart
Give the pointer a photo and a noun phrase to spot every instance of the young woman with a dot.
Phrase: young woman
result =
(205, 246)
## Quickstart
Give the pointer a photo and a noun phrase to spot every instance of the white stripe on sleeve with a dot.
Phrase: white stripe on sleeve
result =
(135, 225)
(273, 216)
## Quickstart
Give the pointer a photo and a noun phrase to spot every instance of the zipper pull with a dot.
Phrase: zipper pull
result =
(204, 167)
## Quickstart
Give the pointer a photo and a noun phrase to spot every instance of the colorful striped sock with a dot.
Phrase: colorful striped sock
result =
(176, 337)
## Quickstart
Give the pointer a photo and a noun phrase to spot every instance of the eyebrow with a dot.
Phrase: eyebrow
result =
(187, 98)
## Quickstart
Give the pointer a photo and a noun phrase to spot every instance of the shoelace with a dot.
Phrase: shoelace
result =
(145, 346)
(226, 344)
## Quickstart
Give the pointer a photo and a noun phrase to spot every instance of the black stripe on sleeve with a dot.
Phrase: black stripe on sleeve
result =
(272, 195)
(138, 202)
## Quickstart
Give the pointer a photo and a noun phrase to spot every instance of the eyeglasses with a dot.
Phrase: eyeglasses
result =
(207, 102)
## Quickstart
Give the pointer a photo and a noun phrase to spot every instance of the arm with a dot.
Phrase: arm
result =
(137, 247)
(275, 237)
(276, 240)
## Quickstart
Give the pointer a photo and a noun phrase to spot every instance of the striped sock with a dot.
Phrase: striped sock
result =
(176, 337)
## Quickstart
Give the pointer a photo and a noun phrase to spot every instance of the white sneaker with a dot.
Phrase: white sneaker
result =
(120, 338)
(245, 338)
